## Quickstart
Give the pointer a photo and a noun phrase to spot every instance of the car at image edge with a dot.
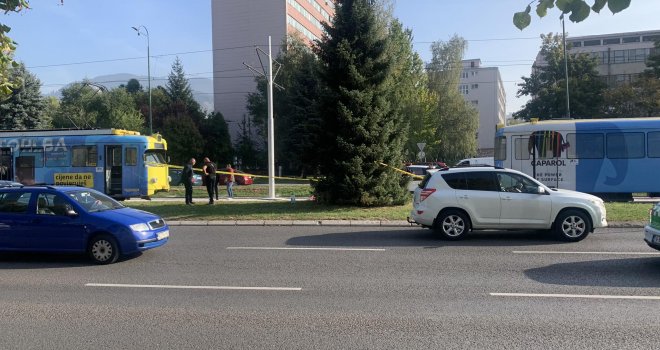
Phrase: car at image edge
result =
(75, 219)
(652, 230)
(458, 200)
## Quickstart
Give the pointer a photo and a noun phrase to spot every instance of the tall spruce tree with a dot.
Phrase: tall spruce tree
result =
(360, 126)
(25, 107)
(180, 94)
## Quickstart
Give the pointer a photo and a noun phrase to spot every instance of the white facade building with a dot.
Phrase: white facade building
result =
(241, 25)
(620, 57)
(483, 88)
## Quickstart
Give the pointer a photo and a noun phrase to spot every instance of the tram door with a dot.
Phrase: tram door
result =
(113, 171)
(520, 154)
(6, 164)
(25, 170)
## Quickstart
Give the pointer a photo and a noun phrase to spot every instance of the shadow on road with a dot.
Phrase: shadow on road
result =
(423, 238)
(632, 272)
(18, 261)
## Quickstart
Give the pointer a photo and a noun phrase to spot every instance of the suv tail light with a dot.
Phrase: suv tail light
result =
(425, 193)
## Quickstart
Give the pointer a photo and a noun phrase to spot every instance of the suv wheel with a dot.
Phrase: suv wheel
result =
(572, 226)
(103, 250)
(452, 225)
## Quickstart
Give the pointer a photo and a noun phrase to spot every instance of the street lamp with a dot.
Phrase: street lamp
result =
(146, 33)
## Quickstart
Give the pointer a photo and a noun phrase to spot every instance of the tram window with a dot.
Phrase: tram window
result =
(625, 145)
(37, 153)
(585, 146)
(58, 158)
(84, 156)
(654, 144)
(131, 156)
(500, 148)
(522, 151)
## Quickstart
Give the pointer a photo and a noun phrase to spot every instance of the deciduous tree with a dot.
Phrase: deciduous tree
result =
(454, 121)
(579, 10)
(547, 85)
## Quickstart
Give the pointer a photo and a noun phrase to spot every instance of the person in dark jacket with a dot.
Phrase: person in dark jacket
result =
(187, 180)
(209, 178)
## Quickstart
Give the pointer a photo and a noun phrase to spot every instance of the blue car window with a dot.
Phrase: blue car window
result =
(53, 204)
(14, 201)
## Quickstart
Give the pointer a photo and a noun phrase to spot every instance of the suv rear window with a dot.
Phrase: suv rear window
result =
(481, 181)
(455, 181)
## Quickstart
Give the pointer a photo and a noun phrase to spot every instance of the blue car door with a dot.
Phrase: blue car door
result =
(53, 227)
(14, 219)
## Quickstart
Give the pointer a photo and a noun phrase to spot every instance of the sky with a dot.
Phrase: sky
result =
(63, 43)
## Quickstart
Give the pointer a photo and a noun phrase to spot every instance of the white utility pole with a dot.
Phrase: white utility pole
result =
(270, 77)
(271, 127)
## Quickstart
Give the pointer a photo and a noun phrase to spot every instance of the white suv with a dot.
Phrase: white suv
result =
(457, 200)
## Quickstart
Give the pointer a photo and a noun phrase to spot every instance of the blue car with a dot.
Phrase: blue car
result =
(75, 219)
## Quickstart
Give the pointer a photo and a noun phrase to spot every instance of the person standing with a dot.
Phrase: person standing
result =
(230, 182)
(187, 180)
(209, 176)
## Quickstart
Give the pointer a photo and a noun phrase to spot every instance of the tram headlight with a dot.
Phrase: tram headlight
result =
(153, 180)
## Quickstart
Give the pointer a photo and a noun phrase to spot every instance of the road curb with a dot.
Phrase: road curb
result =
(330, 223)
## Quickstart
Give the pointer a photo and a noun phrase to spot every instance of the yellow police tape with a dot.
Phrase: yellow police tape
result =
(246, 174)
(414, 176)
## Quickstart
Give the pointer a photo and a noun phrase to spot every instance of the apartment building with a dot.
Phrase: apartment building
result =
(241, 25)
(483, 88)
(621, 57)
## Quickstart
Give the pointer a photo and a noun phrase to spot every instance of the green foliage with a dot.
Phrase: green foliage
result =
(7, 48)
(409, 93)
(454, 121)
(547, 85)
(294, 108)
(217, 143)
(249, 157)
(361, 127)
(638, 99)
(25, 108)
(579, 9)
(183, 139)
(87, 105)
(133, 86)
(180, 94)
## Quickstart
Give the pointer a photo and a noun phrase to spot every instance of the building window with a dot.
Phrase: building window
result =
(475, 86)
(618, 56)
(576, 43)
(647, 38)
(475, 102)
(464, 74)
(611, 41)
(475, 73)
(631, 39)
(592, 42)
(464, 88)
(301, 28)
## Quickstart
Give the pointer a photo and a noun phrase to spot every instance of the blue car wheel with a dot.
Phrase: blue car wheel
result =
(103, 250)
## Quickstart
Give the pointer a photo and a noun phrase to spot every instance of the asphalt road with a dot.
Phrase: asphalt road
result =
(379, 288)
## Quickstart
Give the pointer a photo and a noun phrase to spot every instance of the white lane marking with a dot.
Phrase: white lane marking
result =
(165, 286)
(583, 296)
(594, 253)
(301, 248)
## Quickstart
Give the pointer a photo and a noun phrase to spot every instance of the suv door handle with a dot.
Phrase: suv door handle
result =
(465, 196)
(506, 198)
